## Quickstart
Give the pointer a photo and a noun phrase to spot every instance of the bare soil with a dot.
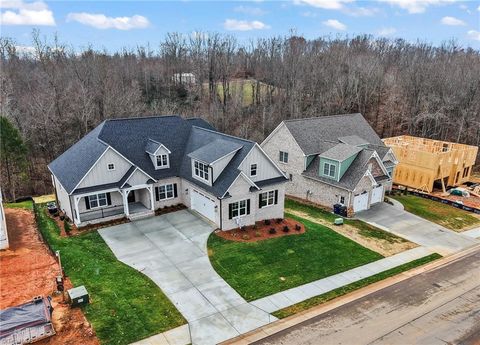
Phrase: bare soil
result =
(28, 269)
(380, 246)
(261, 231)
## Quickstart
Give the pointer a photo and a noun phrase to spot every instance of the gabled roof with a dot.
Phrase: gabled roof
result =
(152, 146)
(215, 150)
(354, 140)
(340, 152)
(313, 134)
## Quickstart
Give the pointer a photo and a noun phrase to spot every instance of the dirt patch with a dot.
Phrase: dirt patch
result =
(28, 269)
(383, 247)
(261, 231)
(471, 201)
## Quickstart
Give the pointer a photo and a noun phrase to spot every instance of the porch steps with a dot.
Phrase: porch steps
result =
(141, 215)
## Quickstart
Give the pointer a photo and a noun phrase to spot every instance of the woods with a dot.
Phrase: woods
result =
(56, 95)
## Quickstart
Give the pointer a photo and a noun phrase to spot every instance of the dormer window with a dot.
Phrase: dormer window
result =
(201, 171)
(162, 161)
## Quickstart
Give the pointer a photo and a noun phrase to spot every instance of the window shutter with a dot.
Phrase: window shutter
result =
(230, 211)
(87, 203)
(276, 197)
(260, 200)
(248, 206)
(109, 199)
(175, 190)
(156, 194)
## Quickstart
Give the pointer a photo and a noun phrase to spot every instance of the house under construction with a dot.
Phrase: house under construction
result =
(426, 163)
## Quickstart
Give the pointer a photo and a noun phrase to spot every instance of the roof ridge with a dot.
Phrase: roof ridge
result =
(223, 134)
(320, 117)
(141, 117)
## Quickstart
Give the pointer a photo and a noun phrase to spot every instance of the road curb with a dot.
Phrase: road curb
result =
(283, 324)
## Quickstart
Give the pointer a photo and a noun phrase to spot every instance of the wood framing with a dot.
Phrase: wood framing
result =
(425, 162)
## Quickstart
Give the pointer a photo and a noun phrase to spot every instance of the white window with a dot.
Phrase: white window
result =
(201, 170)
(267, 198)
(97, 200)
(342, 200)
(329, 169)
(111, 166)
(239, 208)
(165, 192)
(162, 161)
(283, 157)
(253, 170)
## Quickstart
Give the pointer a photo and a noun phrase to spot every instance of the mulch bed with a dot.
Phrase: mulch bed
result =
(261, 231)
(169, 209)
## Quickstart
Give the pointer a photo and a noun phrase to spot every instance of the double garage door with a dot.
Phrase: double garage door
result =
(360, 202)
(202, 204)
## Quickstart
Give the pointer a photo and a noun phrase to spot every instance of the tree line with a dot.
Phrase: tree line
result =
(55, 95)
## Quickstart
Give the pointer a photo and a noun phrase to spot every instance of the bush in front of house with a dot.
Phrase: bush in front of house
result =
(267, 222)
(298, 227)
(279, 220)
(272, 231)
(258, 234)
(286, 228)
(246, 237)
(243, 228)
(66, 226)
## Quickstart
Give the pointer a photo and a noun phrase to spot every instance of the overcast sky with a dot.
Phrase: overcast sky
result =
(116, 24)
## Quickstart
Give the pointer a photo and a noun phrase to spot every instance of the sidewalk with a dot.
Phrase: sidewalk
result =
(474, 233)
(301, 293)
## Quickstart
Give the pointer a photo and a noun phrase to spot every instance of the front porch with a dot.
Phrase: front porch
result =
(108, 204)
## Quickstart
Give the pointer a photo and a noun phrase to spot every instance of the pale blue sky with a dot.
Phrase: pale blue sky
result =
(116, 24)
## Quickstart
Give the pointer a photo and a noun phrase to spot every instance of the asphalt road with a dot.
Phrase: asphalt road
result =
(437, 307)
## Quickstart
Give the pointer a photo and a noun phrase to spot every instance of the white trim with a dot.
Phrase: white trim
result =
(82, 195)
(93, 165)
(268, 191)
(161, 145)
(209, 172)
(369, 174)
(128, 178)
(108, 166)
(165, 185)
(166, 166)
(240, 216)
(268, 157)
(379, 160)
(245, 177)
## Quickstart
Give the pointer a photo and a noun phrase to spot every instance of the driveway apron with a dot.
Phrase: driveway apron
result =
(172, 251)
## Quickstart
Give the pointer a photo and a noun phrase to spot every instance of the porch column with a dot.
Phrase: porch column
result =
(152, 202)
(125, 202)
(76, 200)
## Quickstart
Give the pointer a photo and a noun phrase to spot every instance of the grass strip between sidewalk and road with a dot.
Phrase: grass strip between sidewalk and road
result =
(314, 301)
(126, 306)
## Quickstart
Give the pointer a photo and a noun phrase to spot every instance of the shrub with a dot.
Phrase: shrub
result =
(298, 227)
(272, 231)
(66, 226)
(254, 226)
(243, 228)
(279, 220)
(267, 222)
(258, 234)
(286, 228)
(246, 237)
(62, 217)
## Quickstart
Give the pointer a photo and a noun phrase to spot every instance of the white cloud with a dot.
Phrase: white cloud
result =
(101, 21)
(25, 50)
(416, 6)
(326, 4)
(251, 11)
(386, 31)
(335, 24)
(478, 8)
(360, 11)
(474, 35)
(452, 21)
(22, 13)
(243, 25)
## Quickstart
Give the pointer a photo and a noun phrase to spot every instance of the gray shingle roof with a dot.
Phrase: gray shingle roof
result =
(152, 146)
(354, 140)
(312, 133)
(132, 136)
(340, 152)
(214, 150)
(351, 177)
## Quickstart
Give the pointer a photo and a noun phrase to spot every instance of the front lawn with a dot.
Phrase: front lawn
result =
(434, 211)
(263, 268)
(126, 306)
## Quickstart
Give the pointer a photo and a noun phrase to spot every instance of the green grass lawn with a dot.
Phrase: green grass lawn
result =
(445, 215)
(126, 306)
(365, 229)
(259, 269)
(28, 205)
(311, 302)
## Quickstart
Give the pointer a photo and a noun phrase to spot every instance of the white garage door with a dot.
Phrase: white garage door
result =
(203, 204)
(377, 194)
(360, 202)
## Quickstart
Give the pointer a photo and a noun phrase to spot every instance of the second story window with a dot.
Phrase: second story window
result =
(283, 157)
(162, 161)
(201, 171)
(329, 169)
(253, 170)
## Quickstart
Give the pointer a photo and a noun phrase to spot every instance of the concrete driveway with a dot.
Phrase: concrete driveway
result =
(416, 229)
(172, 251)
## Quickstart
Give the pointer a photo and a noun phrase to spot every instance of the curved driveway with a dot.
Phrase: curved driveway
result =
(172, 251)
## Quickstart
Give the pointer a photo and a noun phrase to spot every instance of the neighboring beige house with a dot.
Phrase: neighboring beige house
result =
(332, 160)
(3, 225)
(131, 167)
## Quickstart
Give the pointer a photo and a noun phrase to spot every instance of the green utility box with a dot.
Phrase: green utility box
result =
(338, 221)
(78, 296)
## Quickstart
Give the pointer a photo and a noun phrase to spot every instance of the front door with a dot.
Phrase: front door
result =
(131, 196)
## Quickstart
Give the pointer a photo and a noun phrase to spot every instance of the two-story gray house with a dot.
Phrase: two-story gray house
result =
(333, 159)
(131, 167)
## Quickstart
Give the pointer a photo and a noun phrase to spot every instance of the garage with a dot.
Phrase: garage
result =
(377, 194)
(203, 204)
(360, 202)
